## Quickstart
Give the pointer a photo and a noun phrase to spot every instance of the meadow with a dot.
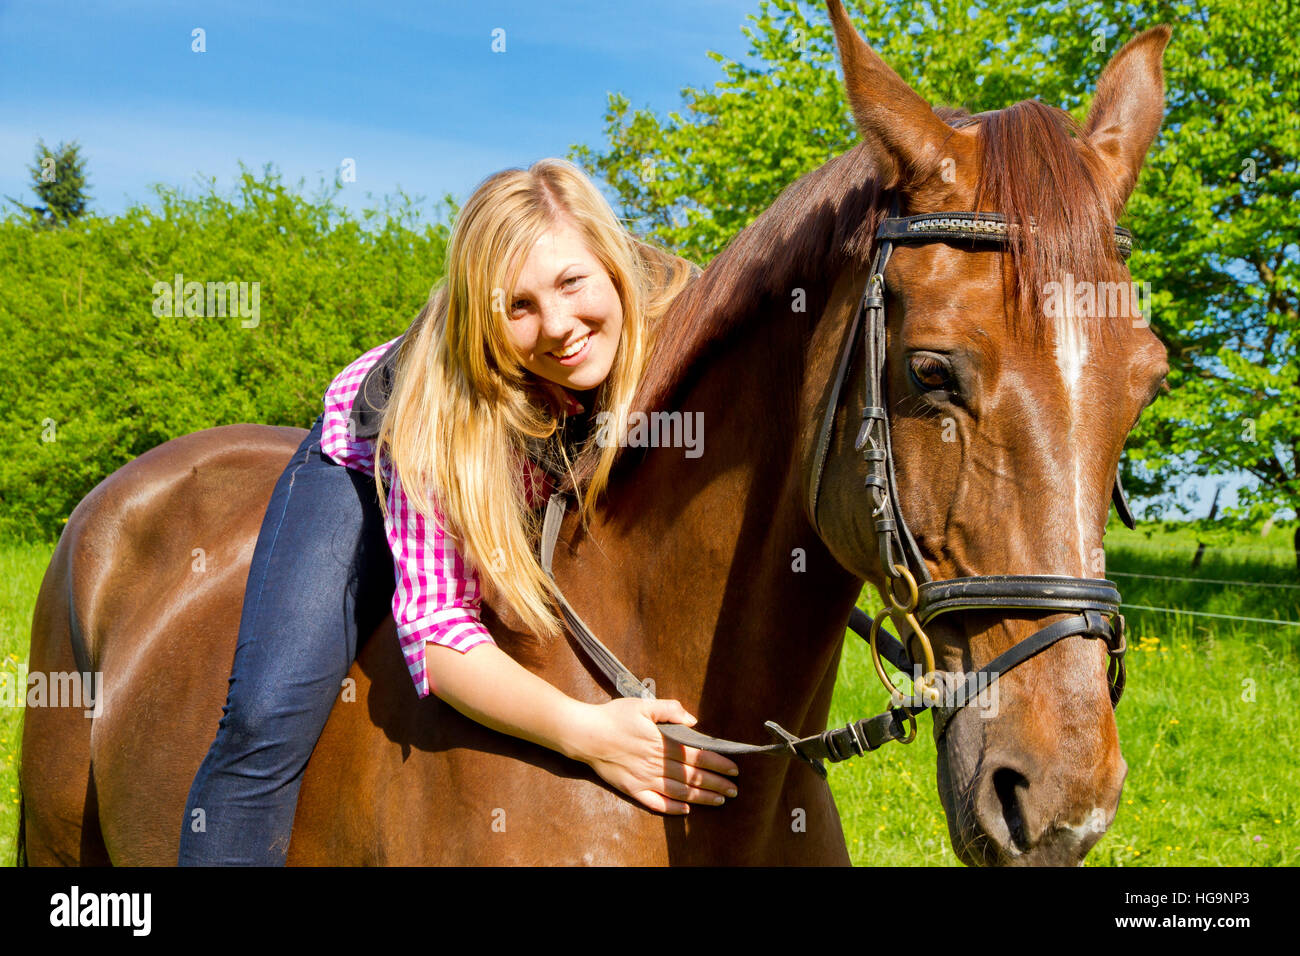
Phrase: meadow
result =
(1209, 723)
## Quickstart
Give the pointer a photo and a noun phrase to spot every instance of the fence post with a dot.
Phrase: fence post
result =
(1200, 545)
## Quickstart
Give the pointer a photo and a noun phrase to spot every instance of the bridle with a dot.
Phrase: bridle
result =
(1094, 602)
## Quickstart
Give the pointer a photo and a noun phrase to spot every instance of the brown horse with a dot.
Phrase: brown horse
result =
(702, 572)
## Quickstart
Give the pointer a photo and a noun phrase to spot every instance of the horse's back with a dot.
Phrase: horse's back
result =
(144, 592)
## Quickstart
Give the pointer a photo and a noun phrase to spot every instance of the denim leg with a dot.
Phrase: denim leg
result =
(320, 582)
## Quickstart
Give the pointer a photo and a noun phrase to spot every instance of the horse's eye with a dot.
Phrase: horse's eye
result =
(930, 373)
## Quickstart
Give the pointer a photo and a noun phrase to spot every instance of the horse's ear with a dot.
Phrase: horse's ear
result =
(1126, 112)
(908, 139)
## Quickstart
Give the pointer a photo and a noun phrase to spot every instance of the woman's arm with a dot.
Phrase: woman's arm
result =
(449, 652)
(618, 739)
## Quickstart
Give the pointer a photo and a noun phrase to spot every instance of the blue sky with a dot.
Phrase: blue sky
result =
(412, 91)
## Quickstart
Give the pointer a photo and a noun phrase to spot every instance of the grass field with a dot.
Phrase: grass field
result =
(1209, 724)
(21, 568)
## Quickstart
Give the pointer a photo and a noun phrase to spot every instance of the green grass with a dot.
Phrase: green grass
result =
(1241, 557)
(1212, 779)
(21, 568)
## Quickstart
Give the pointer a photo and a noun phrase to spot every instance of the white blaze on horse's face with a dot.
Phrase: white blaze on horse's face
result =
(1072, 359)
(564, 313)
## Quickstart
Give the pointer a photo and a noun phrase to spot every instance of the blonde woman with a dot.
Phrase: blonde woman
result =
(543, 319)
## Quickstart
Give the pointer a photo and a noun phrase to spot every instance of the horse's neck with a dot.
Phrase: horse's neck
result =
(730, 598)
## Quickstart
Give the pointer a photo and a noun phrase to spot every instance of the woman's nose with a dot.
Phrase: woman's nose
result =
(556, 321)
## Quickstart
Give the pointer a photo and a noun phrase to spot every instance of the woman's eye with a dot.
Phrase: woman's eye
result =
(929, 374)
(518, 304)
(572, 279)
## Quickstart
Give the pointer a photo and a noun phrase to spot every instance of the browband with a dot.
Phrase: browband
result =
(989, 226)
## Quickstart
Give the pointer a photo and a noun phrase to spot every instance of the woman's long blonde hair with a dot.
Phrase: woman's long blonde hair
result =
(464, 411)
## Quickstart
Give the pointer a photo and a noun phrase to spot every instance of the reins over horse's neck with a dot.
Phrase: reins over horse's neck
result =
(784, 659)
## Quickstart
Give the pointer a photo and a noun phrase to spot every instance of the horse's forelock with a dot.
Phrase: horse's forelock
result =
(1035, 164)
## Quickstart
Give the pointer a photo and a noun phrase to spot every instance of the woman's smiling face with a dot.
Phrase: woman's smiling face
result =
(564, 314)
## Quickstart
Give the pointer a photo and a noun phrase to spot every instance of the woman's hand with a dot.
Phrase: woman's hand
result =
(622, 744)
(619, 738)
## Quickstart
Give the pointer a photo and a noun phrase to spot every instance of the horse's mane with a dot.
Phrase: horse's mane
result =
(1034, 164)
(816, 226)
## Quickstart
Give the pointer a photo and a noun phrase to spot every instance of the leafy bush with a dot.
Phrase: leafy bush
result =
(98, 368)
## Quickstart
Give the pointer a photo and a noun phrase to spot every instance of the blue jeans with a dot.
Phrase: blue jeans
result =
(321, 581)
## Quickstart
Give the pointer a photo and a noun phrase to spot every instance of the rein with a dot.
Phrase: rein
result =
(833, 745)
(909, 605)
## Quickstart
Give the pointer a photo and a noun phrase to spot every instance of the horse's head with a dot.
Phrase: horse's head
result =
(1013, 373)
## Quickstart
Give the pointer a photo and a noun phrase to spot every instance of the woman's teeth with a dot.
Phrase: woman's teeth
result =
(573, 349)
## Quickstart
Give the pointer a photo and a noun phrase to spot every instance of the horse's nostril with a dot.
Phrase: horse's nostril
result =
(1011, 788)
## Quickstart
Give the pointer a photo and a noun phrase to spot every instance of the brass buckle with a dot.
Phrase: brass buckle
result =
(911, 719)
(901, 612)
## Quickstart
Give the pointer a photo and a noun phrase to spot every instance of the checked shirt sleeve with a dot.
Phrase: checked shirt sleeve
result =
(437, 595)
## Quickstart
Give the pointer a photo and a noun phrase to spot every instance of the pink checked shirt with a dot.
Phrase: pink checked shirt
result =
(437, 596)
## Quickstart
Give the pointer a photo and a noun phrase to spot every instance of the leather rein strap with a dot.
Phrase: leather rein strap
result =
(830, 745)
(1095, 601)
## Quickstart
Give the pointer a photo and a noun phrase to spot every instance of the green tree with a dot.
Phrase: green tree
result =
(1213, 214)
(1221, 242)
(59, 181)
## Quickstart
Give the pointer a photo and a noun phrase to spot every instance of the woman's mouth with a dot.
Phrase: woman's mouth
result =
(574, 353)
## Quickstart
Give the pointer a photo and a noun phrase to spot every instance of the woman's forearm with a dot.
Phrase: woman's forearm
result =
(489, 686)
(620, 739)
